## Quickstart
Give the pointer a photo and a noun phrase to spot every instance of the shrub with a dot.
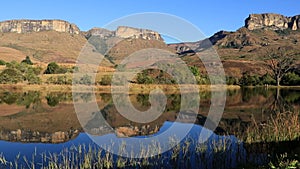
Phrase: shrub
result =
(85, 79)
(232, 80)
(194, 70)
(268, 79)
(291, 79)
(143, 78)
(250, 80)
(27, 61)
(52, 68)
(2, 62)
(52, 100)
(106, 80)
(11, 76)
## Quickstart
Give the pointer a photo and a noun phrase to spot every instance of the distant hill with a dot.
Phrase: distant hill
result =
(60, 41)
(244, 49)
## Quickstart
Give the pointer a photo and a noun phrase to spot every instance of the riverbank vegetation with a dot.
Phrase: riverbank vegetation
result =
(27, 73)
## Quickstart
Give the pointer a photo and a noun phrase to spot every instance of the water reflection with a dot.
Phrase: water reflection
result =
(50, 118)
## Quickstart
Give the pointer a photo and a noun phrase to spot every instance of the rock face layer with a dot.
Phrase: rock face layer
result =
(125, 32)
(272, 21)
(26, 26)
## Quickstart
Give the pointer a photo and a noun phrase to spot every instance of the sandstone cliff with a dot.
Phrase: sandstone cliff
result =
(272, 21)
(26, 26)
(125, 32)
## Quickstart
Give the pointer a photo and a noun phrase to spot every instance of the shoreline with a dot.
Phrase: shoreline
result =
(133, 88)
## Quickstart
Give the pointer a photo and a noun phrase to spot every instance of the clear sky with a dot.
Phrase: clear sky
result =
(209, 16)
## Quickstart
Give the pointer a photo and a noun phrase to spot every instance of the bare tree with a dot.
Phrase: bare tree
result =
(280, 61)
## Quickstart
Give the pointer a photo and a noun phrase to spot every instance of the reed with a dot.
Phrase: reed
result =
(279, 127)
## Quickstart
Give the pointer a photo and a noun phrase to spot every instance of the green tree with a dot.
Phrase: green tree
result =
(52, 68)
(27, 61)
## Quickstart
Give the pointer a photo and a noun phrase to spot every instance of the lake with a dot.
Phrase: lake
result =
(39, 124)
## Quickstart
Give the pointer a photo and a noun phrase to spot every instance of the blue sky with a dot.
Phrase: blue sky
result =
(209, 16)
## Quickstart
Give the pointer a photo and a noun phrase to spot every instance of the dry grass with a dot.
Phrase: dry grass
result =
(279, 127)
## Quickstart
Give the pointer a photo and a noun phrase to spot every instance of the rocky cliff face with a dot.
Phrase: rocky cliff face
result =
(125, 32)
(272, 21)
(128, 32)
(26, 26)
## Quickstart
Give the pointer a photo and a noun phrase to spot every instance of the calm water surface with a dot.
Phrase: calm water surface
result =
(37, 123)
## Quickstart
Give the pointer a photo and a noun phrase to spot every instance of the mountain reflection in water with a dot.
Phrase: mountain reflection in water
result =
(32, 121)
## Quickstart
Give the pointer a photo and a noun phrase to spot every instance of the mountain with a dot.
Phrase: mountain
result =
(243, 50)
(60, 41)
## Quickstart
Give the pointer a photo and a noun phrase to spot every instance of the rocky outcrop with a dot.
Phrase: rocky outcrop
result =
(272, 21)
(124, 32)
(26, 26)
(129, 32)
(130, 131)
(28, 136)
(101, 32)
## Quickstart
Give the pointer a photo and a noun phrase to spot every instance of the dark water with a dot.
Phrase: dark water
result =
(39, 123)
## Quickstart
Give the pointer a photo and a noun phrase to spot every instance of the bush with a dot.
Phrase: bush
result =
(194, 70)
(250, 80)
(2, 62)
(291, 79)
(27, 61)
(85, 79)
(232, 80)
(11, 76)
(52, 68)
(59, 80)
(52, 100)
(106, 80)
(268, 79)
(143, 78)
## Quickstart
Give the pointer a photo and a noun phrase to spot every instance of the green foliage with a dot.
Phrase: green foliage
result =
(9, 98)
(283, 162)
(232, 80)
(85, 80)
(52, 68)
(291, 79)
(106, 80)
(250, 80)
(194, 70)
(143, 78)
(26, 98)
(59, 80)
(255, 80)
(27, 60)
(2, 62)
(19, 72)
(11, 76)
(32, 78)
(268, 79)
(52, 100)
(202, 80)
